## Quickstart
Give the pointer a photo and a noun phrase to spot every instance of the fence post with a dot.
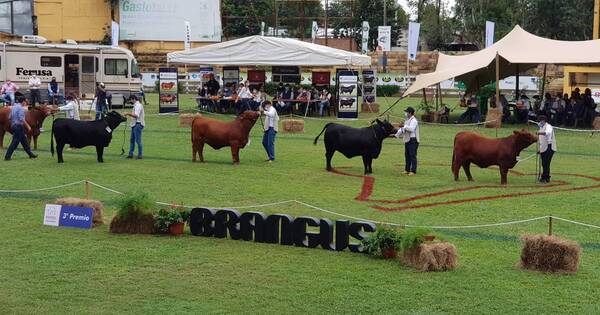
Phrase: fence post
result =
(88, 191)
(550, 225)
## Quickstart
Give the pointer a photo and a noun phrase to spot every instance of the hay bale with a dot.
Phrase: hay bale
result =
(86, 117)
(293, 125)
(142, 224)
(596, 124)
(494, 114)
(439, 256)
(97, 217)
(549, 254)
(185, 120)
(370, 108)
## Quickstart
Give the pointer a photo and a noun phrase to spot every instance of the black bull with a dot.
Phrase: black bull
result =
(79, 134)
(352, 142)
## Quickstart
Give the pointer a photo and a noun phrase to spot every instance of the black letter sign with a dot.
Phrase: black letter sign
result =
(201, 221)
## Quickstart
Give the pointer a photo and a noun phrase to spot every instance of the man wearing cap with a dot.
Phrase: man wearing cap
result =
(137, 126)
(100, 100)
(547, 143)
(410, 134)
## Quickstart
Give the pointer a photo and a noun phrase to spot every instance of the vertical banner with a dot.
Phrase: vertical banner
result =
(167, 90)
(489, 34)
(188, 35)
(369, 83)
(413, 39)
(315, 29)
(231, 75)
(365, 38)
(347, 94)
(114, 33)
(262, 28)
(384, 38)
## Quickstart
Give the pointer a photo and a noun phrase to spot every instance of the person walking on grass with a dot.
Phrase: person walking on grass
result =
(409, 131)
(19, 126)
(137, 126)
(270, 126)
(547, 142)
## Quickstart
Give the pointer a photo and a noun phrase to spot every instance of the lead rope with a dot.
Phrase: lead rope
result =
(124, 137)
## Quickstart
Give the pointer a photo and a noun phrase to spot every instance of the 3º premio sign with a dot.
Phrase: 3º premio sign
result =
(76, 217)
(280, 229)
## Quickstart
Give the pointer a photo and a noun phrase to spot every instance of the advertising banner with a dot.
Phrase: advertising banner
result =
(413, 39)
(161, 20)
(231, 75)
(365, 38)
(114, 35)
(348, 94)
(68, 216)
(489, 33)
(315, 29)
(369, 84)
(188, 35)
(168, 101)
(384, 38)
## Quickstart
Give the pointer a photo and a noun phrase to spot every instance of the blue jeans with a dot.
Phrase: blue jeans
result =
(18, 132)
(269, 142)
(323, 105)
(9, 97)
(410, 155)
(136, 137)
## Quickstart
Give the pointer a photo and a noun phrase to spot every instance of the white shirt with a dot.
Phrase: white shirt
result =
(271, 118)
(138, 110)
(410, 130)
(34, 83)
(245, 93)
(71, 109)
(547, 139)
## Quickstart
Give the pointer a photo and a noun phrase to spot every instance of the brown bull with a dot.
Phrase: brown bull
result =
(35, 117)
(218, 134)
(470, 147)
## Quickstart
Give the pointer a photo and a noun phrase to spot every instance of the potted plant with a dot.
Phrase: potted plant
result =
(134, 214)
(414, 237)
(171, 219)
(428, 111)
(383, 242)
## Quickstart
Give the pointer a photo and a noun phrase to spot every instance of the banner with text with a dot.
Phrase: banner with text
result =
(413, 39)
(384, 38)
(168, 100)
(489, 33)
(365, 38)
(68, 216)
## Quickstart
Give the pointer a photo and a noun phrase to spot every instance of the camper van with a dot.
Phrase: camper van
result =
(77, 68)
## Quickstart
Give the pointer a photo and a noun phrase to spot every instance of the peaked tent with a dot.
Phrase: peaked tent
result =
(268, 51)
(518, 48)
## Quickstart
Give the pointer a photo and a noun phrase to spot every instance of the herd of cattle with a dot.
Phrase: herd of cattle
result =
(367, 142)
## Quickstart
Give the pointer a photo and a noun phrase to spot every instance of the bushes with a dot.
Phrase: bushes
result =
(134, 214)
(387, 90)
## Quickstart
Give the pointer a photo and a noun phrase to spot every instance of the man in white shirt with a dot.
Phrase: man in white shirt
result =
(409, 131)
(547, 143)
(34, 90)
(71, 109)
(270, 125)
(137, 125)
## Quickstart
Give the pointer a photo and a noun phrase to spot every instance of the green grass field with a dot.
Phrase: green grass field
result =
(58, 271)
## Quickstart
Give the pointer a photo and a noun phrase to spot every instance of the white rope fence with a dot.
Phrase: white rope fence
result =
(592, 131)
(433, 227)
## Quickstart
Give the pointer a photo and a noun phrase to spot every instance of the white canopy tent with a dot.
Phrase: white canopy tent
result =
(517, 51)
(268, 51)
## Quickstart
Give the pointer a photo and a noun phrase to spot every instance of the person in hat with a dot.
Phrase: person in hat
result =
(19, 126)
(547, 143)
(100, 100)
(270, 127)
(409, 131)
(137, 126)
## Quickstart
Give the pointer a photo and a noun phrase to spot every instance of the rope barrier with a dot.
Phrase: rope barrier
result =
(527, 158)
(592, 131)
(433, 227)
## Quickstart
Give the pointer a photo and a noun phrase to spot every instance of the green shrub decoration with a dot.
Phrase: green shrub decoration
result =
(134, 204)
(383, 238)
(414, 237)
(169, 216)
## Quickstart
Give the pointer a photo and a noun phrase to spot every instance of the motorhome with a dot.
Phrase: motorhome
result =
(76, 67)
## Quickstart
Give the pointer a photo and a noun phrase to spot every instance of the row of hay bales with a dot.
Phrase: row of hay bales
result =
(540, 252)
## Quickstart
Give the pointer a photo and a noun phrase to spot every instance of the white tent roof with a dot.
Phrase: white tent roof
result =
(517, 48)
(268, 51)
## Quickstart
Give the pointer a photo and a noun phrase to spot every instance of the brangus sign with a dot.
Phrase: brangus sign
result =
(279, 229)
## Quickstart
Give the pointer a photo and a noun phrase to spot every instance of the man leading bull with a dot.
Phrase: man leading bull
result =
(547, 142)
(410, 134)
(19, 125)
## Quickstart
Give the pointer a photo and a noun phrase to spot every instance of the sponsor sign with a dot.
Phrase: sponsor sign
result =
(369, 85)
(161, 20)
(365, 38)
(315, 30)
(231, 75)
(188, 35)
(489, 34)
(167, 87)
(114, 36)
(384, 38)
(68, 216)
(348, 94)
(413, 39)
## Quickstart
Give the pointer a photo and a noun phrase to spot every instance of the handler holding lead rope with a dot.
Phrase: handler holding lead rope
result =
(547, 142)
(409, 131)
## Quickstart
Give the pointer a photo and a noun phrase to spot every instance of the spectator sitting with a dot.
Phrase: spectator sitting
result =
(472, 112)
(245, 96)
(443, 113)
(8, 91)
(53, 91)
(286, 94)
(324, 101)
(259, 98)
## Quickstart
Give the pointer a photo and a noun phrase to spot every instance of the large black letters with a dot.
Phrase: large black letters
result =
(201, 222)
(272, 232)
(252, 224)
(302, 238)
(356, 231)
(227, 221)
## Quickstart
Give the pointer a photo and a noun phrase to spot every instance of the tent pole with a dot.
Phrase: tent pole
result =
(517, 83)
(497, 78)
(543, 84)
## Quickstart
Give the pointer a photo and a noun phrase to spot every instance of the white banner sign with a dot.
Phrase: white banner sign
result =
(262, 28)
(188, 34)
(161, 20)
(114, 36)
(315, 29)
(365, 38)
(384, 38)
(413, 39)
(489, 34)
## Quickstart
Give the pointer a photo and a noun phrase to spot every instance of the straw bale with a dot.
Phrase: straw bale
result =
(596, 124)
(494, 114)
(370, 108)
(549, 254)
(185, 120)
(438, 256)
(293, 125)
(142, 224)
(97, 217)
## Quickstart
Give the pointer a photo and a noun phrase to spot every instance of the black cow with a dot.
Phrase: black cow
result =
(347, 102)
(352, 142)
(368, 79)
(368, 89)
(347, 89)
(81, 134)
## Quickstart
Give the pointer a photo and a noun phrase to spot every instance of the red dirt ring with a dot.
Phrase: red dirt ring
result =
(369, 183)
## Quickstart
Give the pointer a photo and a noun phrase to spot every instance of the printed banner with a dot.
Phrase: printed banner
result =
(489, 34)
(413, 39)
(188, 35)
(369, 84)
(168, 94)
(348, 94)
(384, 38)
(315, 30)
(365, 38)
(114, 36)
(68, 216)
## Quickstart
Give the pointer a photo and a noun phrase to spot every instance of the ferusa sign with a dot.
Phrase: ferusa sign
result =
(168, 95)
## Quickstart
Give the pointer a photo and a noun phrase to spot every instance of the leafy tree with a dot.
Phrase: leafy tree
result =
(243, 18)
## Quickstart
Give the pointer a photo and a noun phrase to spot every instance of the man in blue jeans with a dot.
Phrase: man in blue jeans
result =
(18, 125)
(409, 131)
(270, 125)
(137, 125)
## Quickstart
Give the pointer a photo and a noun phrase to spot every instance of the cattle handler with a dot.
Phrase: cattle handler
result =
(18, 125)
(409, 131)
(547, 142)
(137, 126)
(270, 127)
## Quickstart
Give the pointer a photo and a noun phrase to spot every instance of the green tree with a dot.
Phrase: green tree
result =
(243, 18)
